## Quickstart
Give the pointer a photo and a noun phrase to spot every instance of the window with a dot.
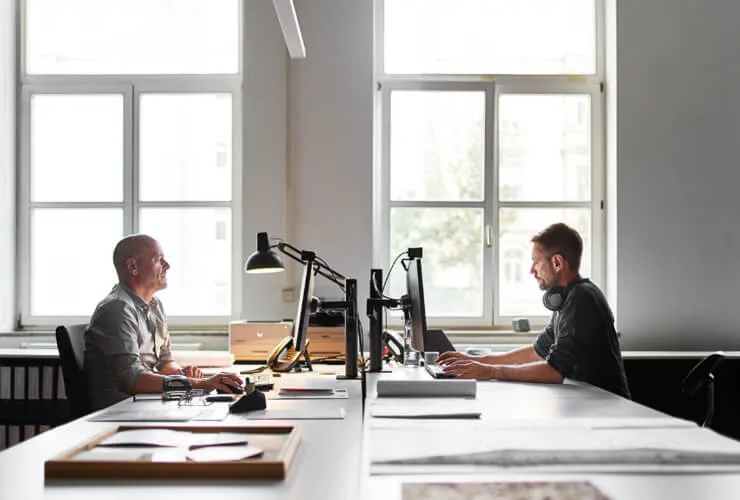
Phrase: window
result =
(489, 127)
(129, 114)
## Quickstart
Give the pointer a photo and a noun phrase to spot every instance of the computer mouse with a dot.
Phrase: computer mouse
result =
(232, 389)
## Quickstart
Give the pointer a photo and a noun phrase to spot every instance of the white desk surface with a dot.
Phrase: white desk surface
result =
(333, 463)
(541, 402)
(326, 465)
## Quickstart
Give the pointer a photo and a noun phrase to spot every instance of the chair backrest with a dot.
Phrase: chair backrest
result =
(702, 374)
(71, 345)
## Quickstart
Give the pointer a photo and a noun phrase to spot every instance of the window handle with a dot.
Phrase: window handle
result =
(489, 235)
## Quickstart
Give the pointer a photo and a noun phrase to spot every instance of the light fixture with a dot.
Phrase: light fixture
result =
(265, 260)
(288, 20)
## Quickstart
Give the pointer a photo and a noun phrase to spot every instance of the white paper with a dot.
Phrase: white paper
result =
(482, 444)
(435, 410)
(224, 453)
(336, 394)
(302, 414)
(147, 414)
(148, 437)
(306, 382)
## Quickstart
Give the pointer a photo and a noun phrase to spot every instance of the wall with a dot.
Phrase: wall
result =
(7, 161)
(331, 138)
(265, 118)
(678, 124)
(321, 107)
(677, 119)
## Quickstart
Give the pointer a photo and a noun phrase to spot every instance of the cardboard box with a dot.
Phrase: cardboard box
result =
(250, 341)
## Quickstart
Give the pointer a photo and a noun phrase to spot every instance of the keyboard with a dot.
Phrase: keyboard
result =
(436, 371)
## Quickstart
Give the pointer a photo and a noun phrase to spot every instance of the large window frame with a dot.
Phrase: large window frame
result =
(494, 87)
(131, 87)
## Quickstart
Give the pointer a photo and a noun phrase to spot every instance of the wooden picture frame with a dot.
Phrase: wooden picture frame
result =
(279, 444)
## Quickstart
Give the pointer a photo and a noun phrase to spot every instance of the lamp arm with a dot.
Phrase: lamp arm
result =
(297, 255)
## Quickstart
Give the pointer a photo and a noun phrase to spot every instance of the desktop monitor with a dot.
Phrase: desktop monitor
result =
(300, 325)
(416, 311)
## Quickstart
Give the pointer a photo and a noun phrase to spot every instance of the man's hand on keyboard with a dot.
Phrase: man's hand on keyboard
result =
(466, 368)
(451, 356)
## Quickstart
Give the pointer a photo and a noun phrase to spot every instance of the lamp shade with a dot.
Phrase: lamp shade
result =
(264, 260)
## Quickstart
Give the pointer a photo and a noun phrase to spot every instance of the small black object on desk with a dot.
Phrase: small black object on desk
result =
(252, 400)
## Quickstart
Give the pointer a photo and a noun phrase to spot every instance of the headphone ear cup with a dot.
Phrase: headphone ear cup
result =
(553, 298)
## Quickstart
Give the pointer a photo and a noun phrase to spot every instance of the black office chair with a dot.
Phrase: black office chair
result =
(71, 344)
(700, 375)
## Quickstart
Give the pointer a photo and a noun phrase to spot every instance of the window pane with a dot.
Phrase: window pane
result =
(452, 261)
(77, 147)
(71, 266)
(437, 145)
(132, 37)
(518, 292)
(545, 147)
(185, 147)
(197, 244)
(490, 36)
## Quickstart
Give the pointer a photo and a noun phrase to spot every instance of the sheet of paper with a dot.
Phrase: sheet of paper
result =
(306, 382)
(336, 394)
(436, 410)
(207, 439)
(552, 490)
(302, 414)
(182, 414)
(224, 453)
(148, 437)
(484, 444)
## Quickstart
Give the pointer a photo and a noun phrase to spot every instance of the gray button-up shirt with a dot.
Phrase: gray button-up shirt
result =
(125, 338)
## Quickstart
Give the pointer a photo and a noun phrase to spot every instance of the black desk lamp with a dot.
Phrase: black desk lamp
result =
(265, 260)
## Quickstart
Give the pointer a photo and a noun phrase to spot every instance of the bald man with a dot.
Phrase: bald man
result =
(127, 344)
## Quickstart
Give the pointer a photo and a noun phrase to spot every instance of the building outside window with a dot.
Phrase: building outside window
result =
(488, 128)
(129, 123)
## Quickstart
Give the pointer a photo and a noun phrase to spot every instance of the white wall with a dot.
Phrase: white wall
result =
(678, 132)
(331, 94)
(265, 118)
(308, 126)
(7, 161)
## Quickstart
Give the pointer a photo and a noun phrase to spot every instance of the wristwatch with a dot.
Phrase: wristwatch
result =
(176, 383)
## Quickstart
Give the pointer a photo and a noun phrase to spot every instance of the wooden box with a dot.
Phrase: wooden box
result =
(279, 444)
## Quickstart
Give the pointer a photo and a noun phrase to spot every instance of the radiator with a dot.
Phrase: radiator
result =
(32, 397)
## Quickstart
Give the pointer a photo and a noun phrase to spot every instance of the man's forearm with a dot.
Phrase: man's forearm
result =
(170, 368)
(520, 356)
(149, 383)
(538, 371)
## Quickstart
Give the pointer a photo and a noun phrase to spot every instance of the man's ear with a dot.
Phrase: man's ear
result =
(558, 262)
(132, 267)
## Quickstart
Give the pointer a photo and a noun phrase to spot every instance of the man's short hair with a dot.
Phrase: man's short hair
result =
(561, 239)
(128, 247)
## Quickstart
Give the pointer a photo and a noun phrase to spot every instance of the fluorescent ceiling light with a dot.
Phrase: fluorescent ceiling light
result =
(288, 20)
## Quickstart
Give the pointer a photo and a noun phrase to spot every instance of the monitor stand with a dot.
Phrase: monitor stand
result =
(284, 357)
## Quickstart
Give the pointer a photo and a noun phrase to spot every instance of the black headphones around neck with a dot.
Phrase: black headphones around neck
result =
(554, 297)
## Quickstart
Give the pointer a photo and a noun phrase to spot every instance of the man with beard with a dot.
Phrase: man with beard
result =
(580, 341)
(127, 343)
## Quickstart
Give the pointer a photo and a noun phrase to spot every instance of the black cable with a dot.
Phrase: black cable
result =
(363, 378)
(388, 276)
(385, 282)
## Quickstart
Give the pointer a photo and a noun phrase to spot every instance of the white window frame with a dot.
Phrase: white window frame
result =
(131, 87)
(494, 86)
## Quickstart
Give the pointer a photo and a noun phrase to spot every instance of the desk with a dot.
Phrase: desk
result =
(330, 463)
(514, 400)
(326, 465)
